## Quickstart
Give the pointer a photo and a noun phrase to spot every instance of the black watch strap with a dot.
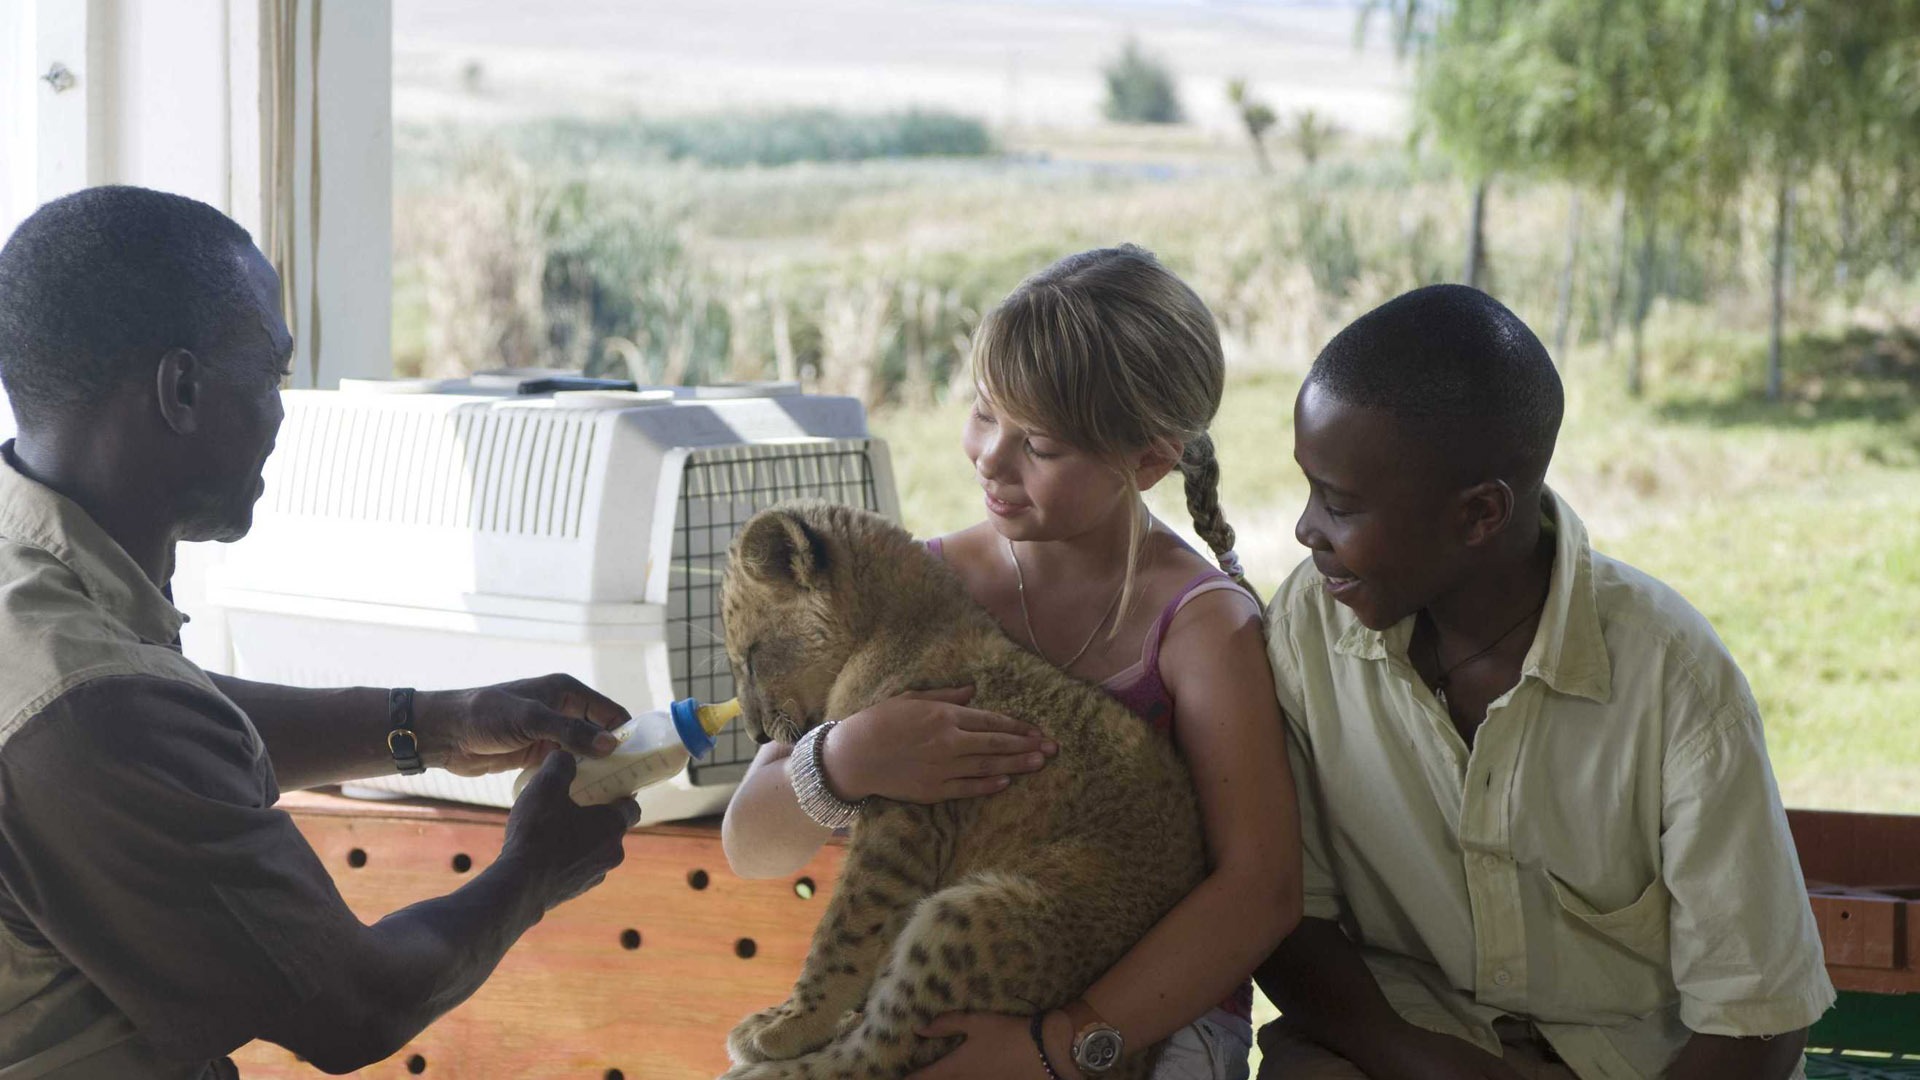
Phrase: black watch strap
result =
(401, 741)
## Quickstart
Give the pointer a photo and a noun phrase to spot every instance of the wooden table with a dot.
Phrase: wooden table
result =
(642, 977)
(1863, 876)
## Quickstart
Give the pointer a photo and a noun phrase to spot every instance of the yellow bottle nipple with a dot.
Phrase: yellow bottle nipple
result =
(719, 715)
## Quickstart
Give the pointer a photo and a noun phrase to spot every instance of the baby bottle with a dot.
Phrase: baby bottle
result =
(654, 746)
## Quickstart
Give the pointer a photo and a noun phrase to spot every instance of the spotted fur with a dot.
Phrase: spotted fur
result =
(1012, 903)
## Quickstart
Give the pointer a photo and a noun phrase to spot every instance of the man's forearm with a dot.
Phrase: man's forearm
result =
(439, 951)
(1325, 992)
(1706, 1057)
(316, 737)
(411, 968)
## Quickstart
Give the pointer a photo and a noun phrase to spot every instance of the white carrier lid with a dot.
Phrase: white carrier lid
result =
(427, 499)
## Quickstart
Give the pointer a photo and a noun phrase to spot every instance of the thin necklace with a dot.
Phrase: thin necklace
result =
(1433, 646)
(1020, 582)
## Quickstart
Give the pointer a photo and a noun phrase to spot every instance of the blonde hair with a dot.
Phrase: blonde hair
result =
(1110, 352)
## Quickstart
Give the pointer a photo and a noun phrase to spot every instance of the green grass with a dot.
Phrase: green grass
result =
(1814, 592)
(1792, 525)
(1789, 523)
(1793, 528)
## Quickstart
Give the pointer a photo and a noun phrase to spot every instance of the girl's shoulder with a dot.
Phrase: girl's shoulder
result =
(1191, 587)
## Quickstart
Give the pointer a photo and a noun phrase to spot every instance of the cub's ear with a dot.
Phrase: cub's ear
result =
(777, 546)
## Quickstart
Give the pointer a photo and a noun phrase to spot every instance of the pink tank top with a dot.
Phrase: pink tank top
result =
(1141, 689)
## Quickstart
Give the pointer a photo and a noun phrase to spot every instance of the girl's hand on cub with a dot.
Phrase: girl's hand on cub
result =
(928, 747)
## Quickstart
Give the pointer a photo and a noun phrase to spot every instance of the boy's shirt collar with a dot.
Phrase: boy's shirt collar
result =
(1568, 654)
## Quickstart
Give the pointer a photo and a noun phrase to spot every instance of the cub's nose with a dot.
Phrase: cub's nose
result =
(751, 714)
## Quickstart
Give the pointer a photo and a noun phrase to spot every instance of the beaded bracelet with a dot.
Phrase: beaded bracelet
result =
(807, 769)
(1040, 1043)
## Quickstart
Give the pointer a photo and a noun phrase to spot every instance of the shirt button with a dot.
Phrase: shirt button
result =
(1501, 978)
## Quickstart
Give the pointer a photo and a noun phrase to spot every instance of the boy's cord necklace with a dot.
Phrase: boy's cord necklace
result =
(1020, 583)
(1433, 647)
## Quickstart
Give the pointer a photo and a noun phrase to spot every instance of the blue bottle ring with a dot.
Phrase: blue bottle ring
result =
(686, 721)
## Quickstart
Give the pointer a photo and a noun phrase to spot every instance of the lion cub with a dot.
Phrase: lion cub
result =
(1012, 903)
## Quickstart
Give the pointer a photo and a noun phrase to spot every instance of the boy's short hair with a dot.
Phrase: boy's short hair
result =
(1454, 361)
(96, 286)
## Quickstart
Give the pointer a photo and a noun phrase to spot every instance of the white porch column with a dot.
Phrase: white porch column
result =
(173, 94)
(181, 95)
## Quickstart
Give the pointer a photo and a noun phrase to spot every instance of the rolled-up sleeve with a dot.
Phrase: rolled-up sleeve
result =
(1745, 950)
(138, 836)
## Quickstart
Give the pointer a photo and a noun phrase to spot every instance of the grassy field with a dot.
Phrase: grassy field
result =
(1791, 525)
(1793, 528)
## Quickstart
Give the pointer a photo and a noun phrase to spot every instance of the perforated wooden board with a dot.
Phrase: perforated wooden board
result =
(1863, 871)
(642, 977)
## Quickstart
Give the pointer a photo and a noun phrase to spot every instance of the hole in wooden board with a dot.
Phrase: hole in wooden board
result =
(416, 1064)
(629, 939)
(1845, 914)
(356, 858)
(745, 948)
(462, 863)
(698, 879)
(804, 888)
(615, 1074)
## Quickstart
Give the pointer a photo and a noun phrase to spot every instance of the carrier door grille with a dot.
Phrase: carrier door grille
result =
(719, 491)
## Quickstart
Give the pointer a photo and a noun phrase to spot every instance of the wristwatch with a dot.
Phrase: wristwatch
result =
(1096, 1045)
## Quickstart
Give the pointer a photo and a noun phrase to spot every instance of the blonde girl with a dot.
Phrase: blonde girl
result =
(1095, 379)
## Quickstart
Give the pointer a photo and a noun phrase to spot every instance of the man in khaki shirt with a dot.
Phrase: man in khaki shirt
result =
(156, 909)
(1542, 837)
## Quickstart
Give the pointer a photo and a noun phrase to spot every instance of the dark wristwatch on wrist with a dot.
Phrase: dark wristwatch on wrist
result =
(1097, 1046)
(402, 743)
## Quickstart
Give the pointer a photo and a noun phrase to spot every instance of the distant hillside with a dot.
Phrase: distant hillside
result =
(1012, 63)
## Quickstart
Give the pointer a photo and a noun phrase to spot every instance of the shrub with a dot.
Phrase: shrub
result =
(1140, 89)
(734, 140)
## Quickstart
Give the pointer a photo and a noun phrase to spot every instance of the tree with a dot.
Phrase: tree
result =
(1677, 106)
(1600, 93)
(1256, 116)
(1467, 51)
(1311, 134)
(1140, 89)
(1563, 303)
(1827, 84)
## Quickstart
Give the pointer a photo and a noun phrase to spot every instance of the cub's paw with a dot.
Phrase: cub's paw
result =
(781, 1033)
(770, 1070)
(743, 1042)
(796, 1031)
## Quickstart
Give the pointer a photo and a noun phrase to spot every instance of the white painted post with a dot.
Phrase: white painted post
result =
(342, 269)
(68, 146)
(355, 256)
(20, 88)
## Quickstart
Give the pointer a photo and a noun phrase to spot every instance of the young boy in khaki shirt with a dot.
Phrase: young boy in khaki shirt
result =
(1542, 837)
